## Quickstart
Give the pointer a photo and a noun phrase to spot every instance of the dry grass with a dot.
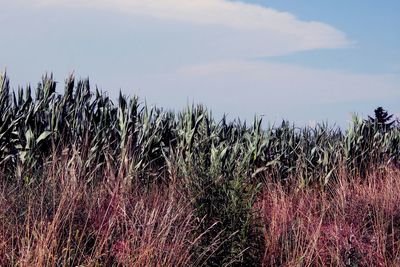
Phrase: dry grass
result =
(63, 221)
(353, 223)
(132, 185)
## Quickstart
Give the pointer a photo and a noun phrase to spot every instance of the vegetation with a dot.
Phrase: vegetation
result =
(382, 118)
(86, 181)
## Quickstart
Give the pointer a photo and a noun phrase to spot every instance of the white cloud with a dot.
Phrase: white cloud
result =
(196, 50)
(253, 30)
(286, 80)
(244, 88)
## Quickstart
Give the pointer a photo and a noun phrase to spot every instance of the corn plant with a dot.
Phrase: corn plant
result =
(220, 164)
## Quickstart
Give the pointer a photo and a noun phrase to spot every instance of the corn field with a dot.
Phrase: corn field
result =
(152, 142)
(221, 165)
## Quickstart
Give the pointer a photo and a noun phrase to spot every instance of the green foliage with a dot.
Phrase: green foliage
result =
(89, 124)
(382, 118)
(220, 163)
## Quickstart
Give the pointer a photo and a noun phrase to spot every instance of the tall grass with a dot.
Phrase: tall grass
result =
(64, 221)
(354, 223)
(89, 181)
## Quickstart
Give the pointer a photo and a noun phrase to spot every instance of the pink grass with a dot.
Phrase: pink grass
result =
(64, 221)
(352, 223)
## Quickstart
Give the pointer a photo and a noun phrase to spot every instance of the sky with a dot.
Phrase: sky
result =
(305, 61)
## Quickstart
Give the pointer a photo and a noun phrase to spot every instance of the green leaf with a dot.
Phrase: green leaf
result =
(43, 136)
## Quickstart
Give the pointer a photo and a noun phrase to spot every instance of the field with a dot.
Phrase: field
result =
(85, 181)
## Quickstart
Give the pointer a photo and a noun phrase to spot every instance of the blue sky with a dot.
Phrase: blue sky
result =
(373, 26)
(303, 60)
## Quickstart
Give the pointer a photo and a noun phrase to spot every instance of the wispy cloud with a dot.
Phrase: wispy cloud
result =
(244, 88)
(176, 51)
(260, 31)
(297, 82)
